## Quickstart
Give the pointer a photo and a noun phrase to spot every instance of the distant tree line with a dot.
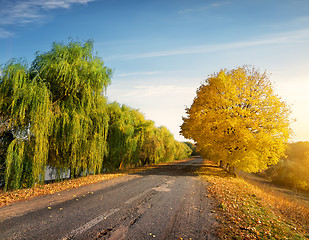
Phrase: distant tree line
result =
(54, 113)
(132, 140)
(192, 146)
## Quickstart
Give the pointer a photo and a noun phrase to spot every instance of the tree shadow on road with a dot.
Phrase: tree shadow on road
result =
(186, 167)
(194, 166)
(209, 168)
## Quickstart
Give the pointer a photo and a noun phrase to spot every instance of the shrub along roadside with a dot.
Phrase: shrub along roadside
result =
(245, 211)
(293, 170)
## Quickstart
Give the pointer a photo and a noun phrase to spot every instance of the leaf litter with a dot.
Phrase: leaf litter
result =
(244, 210)
(10, 197)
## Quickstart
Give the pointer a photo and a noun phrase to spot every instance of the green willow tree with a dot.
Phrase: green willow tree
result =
(122, 138)
(134, 141)
(25, 109)
(152, 150)
(57, 112)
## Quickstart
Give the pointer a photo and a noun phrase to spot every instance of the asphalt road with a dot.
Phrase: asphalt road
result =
(168, 202)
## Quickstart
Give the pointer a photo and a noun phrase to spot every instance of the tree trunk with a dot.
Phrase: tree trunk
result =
(227, 167)
(221, 164)
(232, 170)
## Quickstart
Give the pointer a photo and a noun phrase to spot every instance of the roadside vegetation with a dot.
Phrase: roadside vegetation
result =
(293, 170)
(134, 141)
(54, 113)
(247, 210)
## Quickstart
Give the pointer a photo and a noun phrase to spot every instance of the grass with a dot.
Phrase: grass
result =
(248, 211)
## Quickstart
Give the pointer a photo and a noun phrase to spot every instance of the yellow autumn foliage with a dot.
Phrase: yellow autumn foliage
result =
(237, 118)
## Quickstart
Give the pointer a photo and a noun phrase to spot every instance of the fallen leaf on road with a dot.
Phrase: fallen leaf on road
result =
(9, 197)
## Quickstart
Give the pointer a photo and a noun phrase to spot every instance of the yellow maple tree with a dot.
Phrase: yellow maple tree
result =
(237, 120)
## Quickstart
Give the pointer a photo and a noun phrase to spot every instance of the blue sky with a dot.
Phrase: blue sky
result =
(161, 50)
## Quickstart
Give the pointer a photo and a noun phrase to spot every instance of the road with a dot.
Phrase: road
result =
(168, 202)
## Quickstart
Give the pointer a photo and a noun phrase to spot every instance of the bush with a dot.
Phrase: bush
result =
(293, 171)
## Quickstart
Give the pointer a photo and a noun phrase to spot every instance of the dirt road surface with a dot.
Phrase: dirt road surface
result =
(168, 202)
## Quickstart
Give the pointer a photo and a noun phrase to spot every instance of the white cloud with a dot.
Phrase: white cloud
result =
(201, 9)
(219, 4)
(22, 12)
(136, 93)
(132, 74)
(282, 38)
(185, 11)
(163, 90)
(301, 20)
(52, 4)
(5, 34)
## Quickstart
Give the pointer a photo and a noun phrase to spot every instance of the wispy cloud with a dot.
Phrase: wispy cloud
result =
(133, 74)
(161, 90)
(204, 8)
(21, 12)
(5, 34)
(282, 38)
(219, 4)
(301, 20)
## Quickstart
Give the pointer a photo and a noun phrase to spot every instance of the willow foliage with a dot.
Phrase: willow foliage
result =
(25, 108)
(153, 150)
(77, 80)
(54, 113)
(237, 118)
(121, 139)
(57, 113)
(133, 140)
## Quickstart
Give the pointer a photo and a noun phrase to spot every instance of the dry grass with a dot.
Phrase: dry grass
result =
(246, 211)
(291, 205)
